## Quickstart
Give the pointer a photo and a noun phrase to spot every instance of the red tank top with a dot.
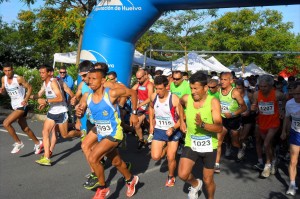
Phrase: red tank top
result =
(268, 116)
(142, 95)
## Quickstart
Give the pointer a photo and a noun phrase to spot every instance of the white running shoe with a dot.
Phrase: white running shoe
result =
(292, 190)
(266, 172)
(193, 193)
(150, 137)
(38, 148)
(273, 169)
(17, 147)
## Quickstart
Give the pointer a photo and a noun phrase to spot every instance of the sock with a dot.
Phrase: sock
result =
(217, 164)
(268, 165)
(260, 161)
(293, 183)
(130, 179)
(102, 187)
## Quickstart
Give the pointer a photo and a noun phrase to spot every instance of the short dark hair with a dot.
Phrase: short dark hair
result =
(158, 72)
(98, 70)
(63, 67)
(48, 67)
(199, 77)
(113, 73)
(158, 80)
(7, 65)
(240, 82)
(103, 66)
(85, 66)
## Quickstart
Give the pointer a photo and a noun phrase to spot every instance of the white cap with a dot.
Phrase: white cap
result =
(167, 72)
(246, 83)
(216, 78)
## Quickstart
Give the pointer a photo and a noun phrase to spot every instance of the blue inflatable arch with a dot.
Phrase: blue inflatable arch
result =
(114, 26)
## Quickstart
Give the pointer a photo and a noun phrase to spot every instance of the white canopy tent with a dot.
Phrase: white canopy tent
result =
(138, 59)
(196, 63)
(251, 69)
(218, 64)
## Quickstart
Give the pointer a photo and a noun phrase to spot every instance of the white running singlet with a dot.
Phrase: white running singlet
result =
(293, 109)
(55, 108)
(163, 116)
(15, 91)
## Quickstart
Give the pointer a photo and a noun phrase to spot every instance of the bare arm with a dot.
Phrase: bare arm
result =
(27, 86)
(151, 113)
(68, 90)
(183, 102)
(237, 96)
(2, 89)
(254, 102)
(77, 96)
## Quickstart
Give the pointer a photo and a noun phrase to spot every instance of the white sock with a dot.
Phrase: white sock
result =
(293, 183)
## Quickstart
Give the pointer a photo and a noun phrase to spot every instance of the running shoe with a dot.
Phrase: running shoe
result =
(273, 169)
(266, 172)
(241, 153)
(170, 181)
(44, 161)
(101, 193)
(217, 168)
(38, 147)
(259, 166)
(131, 186)
(150, 138)
(228, 150)
(92, 182)
(292, 190)
(17, 147)
(141, 144)
(193, 193)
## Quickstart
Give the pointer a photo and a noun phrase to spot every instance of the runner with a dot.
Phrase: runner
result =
(293, 110)
(164, 109)
(57, 113)
(144, 90)
(232, 105)
(15, 87)
(203, 122)
(266, 101)
(102, 105)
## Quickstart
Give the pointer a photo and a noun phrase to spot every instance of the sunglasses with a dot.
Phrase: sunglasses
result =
(62, 72)
(177, 79)
(84, 75)
(212, 87)
(139, 78)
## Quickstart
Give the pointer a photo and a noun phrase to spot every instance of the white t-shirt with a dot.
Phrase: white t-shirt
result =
(292, 109)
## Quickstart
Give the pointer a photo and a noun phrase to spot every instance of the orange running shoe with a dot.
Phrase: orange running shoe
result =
(101, 193)
(170, 181)
(131, 186)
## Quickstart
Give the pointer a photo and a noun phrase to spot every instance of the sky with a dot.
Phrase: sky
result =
(291, 13)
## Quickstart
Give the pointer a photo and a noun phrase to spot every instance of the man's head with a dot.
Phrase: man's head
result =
(8, 70)
(158, 73)
(96, 78)
(46, 72)
(213, 85)
(198, 84)
(296, 91)
(265, 83)
(177, 78)
(226, 80)
(84, 68)
(185, 75)
(63, 72)
(112, 76)
(240, 86)
(141, 76)
(101, 65)
(161, 83)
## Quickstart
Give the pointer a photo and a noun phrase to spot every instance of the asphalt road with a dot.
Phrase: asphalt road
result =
(22, 178)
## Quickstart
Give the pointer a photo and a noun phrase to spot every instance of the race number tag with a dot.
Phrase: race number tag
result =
(104, 128)
(296, 124)
(225, 107)
(164, 123)
(12, 93)
(201, 144)
(266, 108)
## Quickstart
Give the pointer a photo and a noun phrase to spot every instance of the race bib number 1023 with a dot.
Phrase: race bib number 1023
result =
(201, 143)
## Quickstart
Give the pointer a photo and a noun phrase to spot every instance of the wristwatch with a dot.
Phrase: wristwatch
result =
(202, 125)
(134, 112)
(47, 101)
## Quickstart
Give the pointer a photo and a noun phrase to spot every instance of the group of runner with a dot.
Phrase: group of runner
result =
(190, 116)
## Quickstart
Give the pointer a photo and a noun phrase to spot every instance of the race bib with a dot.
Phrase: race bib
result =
(201, 144)
(104, 128)
(164, 123)
(296, 124)
(266, 108)
(225, 107)
(13, 93)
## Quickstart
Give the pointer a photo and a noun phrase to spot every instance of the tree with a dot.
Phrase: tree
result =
(181, 26)
(248, 30)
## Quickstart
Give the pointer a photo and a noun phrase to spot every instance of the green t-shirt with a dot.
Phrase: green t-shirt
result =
(216, 94)
(195, 134)
(181, 90)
